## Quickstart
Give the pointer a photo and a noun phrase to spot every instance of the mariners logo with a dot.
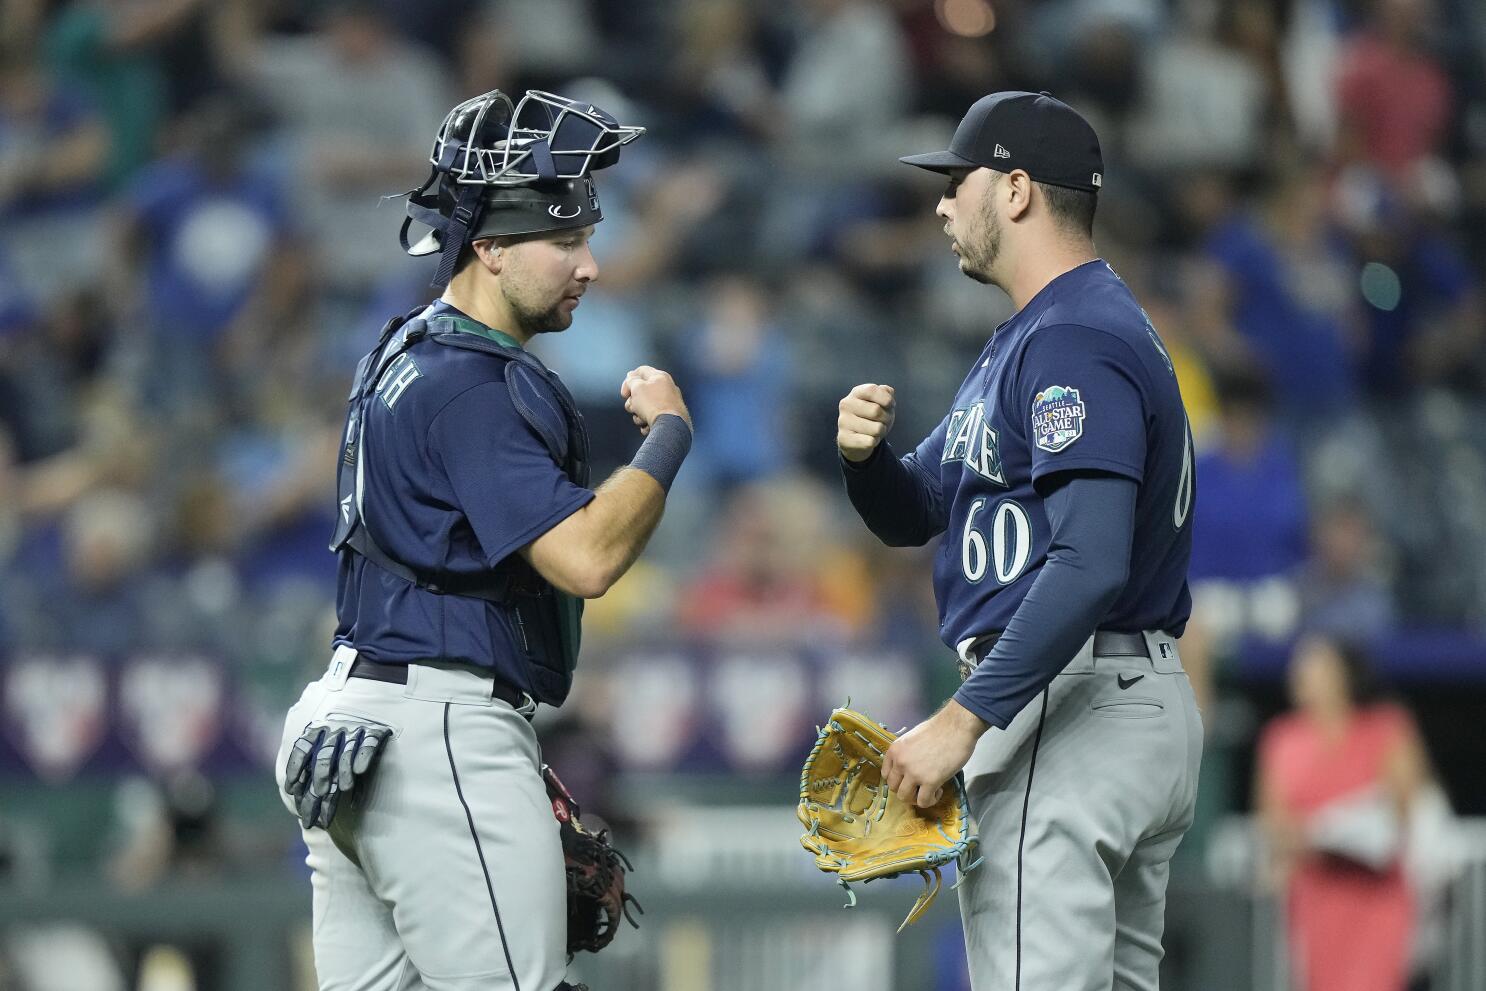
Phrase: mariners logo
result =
(969, 438)
(1057, 418)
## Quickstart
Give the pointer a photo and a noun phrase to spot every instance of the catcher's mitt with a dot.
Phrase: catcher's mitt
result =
(596, 895)
(859, 830)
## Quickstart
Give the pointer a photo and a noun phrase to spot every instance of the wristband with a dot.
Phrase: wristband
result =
(664, 449)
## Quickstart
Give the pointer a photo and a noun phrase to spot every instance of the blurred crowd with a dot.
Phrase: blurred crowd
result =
(200, 204)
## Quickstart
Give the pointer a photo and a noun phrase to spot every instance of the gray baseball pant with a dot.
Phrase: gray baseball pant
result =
(446, 873)
(1080, 804)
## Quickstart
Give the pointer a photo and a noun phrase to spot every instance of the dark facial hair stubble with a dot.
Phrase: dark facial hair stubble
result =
(981, 256)
(537, 321)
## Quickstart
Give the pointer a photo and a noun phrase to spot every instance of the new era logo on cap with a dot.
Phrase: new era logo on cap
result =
(1098, 179)
(1001, 152)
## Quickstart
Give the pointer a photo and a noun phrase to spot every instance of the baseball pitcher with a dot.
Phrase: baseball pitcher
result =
(1060, 489)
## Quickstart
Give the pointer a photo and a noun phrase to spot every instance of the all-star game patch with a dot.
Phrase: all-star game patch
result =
(1057, 418)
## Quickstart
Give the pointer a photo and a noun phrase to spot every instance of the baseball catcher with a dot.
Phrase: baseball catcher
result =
(468, 537)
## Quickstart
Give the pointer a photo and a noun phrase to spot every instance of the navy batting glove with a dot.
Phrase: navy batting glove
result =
(325, 763)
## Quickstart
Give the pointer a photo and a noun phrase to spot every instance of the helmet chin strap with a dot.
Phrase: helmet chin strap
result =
(451, 239)
(451, 230)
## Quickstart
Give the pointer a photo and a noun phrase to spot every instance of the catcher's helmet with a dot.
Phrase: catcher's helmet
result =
(504, 168)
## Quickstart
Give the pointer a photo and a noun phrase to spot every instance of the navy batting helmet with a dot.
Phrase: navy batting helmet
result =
(503, 168)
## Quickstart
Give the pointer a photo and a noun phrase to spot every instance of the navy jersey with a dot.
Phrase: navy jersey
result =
(455, 482)
(1077, 380)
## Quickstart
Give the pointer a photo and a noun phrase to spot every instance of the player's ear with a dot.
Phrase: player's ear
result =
(488, 252)
(1016, 187)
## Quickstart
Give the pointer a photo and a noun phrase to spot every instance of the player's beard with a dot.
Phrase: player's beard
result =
(978, 257)
(536, 317)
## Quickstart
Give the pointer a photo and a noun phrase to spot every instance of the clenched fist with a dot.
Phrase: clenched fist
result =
(866, 416)
(649, 392)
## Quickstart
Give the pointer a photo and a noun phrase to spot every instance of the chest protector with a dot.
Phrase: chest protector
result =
(547, 620)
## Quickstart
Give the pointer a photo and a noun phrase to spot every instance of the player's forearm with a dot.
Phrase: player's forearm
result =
(896, 502)
(1088, 563)
(624, 513)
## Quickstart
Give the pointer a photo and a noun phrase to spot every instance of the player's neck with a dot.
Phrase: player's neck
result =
(1033, 270)
(482, 300)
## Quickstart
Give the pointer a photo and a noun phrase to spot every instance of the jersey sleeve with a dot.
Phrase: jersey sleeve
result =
(924, 459)
(1082, 403)
(900, 499)
(507, 483)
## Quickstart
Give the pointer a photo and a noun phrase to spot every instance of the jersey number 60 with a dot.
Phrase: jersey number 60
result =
(1011, 543)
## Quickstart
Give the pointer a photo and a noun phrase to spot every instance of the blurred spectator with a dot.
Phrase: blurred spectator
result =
(435, 23)
(96, 605)
(960, 52)
(1056, 35)
(53, 152)
(206, 238)
(172, 832)
(109, 51)
(1394, 96)
(766, 581)
(359, 107)
(722, 86)
(738, 360)
(1248, 533)
(1101, 73)
(849, 75)
(1424, 314)
(107, 446)
(1206, 96)
(554, 40)
(1250, 516)
(903, 614)
(47, 368)
(9, 532)
(1309, 53)
(1336, 781)
(1343, 592)
(485, 56)
(1287, 292)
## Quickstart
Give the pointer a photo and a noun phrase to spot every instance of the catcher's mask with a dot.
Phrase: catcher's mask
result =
(503, 168)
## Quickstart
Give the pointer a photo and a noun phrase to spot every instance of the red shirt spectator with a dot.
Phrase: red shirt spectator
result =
(1336, 779)
(1394, 98)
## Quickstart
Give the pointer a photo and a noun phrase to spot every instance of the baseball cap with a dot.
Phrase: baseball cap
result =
(1031, 131)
